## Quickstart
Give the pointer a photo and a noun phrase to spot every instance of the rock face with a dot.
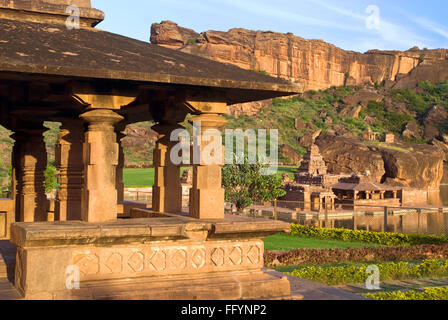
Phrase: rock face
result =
(435, 116)
(419, 166)
(345, 155)
(289, 153)
(315, 63)
(139, 144)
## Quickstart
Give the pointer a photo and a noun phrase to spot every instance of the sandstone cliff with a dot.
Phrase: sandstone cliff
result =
(315, 63)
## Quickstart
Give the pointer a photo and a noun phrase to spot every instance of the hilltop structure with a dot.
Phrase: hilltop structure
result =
(94, 83)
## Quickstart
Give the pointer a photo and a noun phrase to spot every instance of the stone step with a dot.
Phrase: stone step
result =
(7, 291)
(7, 259)
(228, 285)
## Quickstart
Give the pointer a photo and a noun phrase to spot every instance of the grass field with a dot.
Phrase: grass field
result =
(282, 241)
(139, 178)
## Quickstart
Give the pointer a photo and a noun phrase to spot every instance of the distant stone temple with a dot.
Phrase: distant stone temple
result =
(370, 135)
(313, 163)
(389, 138)
(95, 83)
(187, 177)
(315, 190)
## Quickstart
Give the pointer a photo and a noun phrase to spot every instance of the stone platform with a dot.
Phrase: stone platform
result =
(162, 256)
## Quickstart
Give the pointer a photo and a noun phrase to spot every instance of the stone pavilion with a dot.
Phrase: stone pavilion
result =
(95, 83)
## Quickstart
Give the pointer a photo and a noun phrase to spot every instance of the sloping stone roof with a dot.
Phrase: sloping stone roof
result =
(46, 49)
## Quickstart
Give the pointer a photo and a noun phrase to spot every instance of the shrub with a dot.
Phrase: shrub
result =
(51, 181)
(245, 184)
(384, 238)
(306, 257)
(353, 274)
(440, 293)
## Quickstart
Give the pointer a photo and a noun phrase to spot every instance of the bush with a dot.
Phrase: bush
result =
(306, 257)
(353, 274)
(51, 181)
(440, 293)
(383, 238)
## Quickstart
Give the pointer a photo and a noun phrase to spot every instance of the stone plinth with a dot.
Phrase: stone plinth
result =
(136, 258)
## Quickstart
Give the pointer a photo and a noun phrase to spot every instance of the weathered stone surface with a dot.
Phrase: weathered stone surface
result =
(170, 35)
(422, 168)
(348, 155)
(435, 116)
(363, 97)
(289, 153)
(412, 131)
(432, 71)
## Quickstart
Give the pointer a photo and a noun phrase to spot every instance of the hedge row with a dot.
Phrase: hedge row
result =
(306, 257)
(353, 274)
(440, 293)
(383, 238)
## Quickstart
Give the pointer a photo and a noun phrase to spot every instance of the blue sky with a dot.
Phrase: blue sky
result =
(357, 25)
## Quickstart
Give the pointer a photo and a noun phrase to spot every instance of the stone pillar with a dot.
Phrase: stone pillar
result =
(30, 161)
(119, 128)
(69, 161)
(167, 189)
(16, 184)
(207, 194)
(100, 157)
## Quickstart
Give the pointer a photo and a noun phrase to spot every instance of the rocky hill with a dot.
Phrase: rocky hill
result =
(315, 63)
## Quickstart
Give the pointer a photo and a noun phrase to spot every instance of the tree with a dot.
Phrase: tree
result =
(244, 184)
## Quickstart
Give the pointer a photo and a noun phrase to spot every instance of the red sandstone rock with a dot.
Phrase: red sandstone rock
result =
(417, 166)
(315, 63)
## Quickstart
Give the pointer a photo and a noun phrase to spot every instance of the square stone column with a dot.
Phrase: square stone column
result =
(100, 157)
(167, 189)
(69, 162)
(207, 194)
(30, 161)
(119, 128)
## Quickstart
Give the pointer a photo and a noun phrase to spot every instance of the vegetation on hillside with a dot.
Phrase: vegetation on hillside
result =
(324, 110)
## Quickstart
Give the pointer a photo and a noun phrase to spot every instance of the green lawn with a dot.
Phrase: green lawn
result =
(283, 241)
(139, 178)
